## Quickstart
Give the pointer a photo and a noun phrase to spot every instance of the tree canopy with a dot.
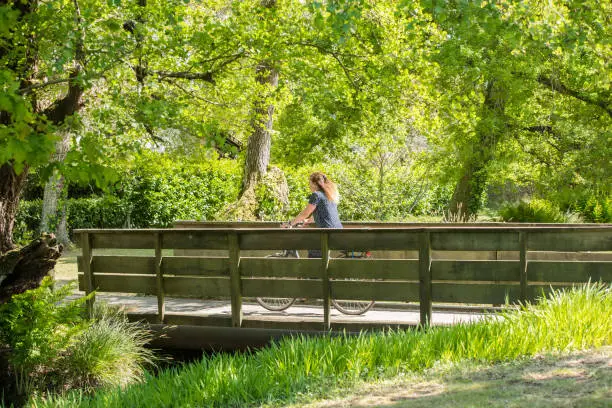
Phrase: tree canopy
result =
(470, 92)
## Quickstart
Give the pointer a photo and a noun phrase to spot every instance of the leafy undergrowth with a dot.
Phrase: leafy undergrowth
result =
(576, 319)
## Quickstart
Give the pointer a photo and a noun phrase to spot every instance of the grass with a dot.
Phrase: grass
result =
(110, 352)
(577, 379)
(294, 368)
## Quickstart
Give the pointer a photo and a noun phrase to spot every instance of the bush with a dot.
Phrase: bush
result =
(535, 210)
(597, 209)
(27, 221)
(53, 347)
(162, 189)
(403, 196)
(38, 329)
(94, 212)
(156, 192)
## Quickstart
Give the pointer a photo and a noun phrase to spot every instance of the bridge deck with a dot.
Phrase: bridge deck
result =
(195, 323)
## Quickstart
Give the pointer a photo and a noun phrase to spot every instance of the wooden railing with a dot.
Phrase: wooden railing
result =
(424, 280)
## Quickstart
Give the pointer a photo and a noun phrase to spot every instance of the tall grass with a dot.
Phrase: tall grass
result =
(110, 352)
(576, 319)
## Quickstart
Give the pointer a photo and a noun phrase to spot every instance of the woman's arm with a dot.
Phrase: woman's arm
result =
(306, 212)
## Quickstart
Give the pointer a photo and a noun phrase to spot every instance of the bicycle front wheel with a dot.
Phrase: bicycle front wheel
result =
(352, 307)
(277, 304)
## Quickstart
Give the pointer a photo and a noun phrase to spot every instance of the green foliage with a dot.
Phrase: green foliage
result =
(158, 190)
(536, 210)
(162, 189)
(575, 319)
(53, 347)
(404, 195)
(27, 221)
(38, 327)
(110, 352)
(598, 209)
(93, 212)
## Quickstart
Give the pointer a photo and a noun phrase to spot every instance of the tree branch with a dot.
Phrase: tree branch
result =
(558, 86)
(72, 102)
(192, 94)
(204, 76)
(28, 89)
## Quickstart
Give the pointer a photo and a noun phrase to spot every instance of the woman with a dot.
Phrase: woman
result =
(322, 206)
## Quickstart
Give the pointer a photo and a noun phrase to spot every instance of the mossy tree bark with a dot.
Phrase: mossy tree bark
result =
(466, 200)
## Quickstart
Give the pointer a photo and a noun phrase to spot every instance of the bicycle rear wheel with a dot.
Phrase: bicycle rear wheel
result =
(277, 304)
(352, 307)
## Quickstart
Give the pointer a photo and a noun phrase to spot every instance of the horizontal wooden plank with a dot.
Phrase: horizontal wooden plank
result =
(476, 270)
(142, 284)
(377, 290)
(302, 288)
(134, 265)
(377, 224)
(280, 267)
(570, 240)
(364, 240)
(128, 239)
(195, 265)
(547, 271)
(475, 240)
(173, 286)
(196, 287)
(397, 269)
(535, 291)
(195, 239)
(280, 239)
(472, 293)
(143, 265)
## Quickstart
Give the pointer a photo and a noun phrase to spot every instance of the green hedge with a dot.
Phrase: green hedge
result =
(154, 194)
(159, 189)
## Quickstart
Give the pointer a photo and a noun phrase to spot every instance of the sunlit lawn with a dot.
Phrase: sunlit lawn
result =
(582, 379)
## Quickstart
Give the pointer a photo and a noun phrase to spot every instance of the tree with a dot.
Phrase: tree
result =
(498, 65)
(43, 54)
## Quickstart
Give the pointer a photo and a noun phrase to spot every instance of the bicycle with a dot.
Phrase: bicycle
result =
(349, 307)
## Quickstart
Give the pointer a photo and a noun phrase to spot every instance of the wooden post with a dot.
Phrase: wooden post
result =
(523, 262)
(161, 309)
(325, 280)
(425, 279)
(236, 292)
(88, 273)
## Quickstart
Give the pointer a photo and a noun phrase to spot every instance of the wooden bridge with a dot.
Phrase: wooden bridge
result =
(437, 263)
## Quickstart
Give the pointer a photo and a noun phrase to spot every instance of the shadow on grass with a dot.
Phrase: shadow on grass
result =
(577, 380)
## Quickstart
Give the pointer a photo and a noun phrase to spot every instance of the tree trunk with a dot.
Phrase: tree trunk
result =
(260, 141)
(23, 269)
(11, 185)
(466, 199)
(52, 219)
